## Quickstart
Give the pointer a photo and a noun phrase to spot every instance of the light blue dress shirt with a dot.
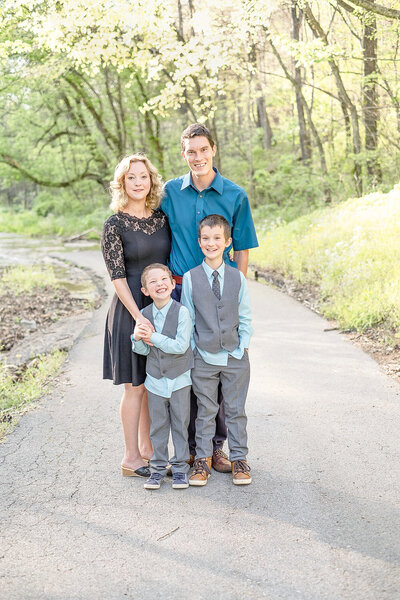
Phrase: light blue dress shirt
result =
(185, 206)
(244, 330)
(164, 387)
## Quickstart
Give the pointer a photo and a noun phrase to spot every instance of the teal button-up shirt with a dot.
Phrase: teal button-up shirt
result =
(185, 206)
(244, 330)
(164, 387)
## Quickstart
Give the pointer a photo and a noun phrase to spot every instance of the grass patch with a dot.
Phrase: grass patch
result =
(17, 394)
(351, 252)
(31, 224)
(23, 279)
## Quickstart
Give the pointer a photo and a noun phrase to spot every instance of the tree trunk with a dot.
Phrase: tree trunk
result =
(305, 140)
(324, 168)
(347, 125)
(370, 96)
(152, 133)
(263, 122)
(210, 124)
(343, 95)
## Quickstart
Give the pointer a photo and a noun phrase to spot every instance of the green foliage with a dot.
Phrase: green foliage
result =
(16, 396)
(28, 223)
(81, 201)
(83, 83)
(287, 182)
(25, 278)
(351, 252)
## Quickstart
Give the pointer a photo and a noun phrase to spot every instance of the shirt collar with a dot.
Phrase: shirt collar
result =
(187, 180)
(163, 311)
(209, 271)
(217, 183)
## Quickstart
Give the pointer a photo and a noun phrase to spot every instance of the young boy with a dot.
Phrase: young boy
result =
(217, 297)
(168, 365)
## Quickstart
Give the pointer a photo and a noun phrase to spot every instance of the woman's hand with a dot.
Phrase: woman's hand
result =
(136, 333)
(141, 320)
(141, 331)
(147, 341)
(125, 295)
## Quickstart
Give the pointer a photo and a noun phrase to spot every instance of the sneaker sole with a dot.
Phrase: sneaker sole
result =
(180, 486)
(198, 483)
(152, 487)
(242, 481)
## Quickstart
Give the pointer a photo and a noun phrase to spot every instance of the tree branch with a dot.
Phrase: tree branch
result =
(378, 9)
(348, 23)
(346, 6)
(98, 117)
(14, 164)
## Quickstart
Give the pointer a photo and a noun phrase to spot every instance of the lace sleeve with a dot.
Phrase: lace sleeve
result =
(113, 252)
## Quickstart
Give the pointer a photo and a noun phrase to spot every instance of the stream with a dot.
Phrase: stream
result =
(18, 250)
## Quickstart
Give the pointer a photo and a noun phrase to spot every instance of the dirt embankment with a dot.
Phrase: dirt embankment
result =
(22, 314)
(47, 318)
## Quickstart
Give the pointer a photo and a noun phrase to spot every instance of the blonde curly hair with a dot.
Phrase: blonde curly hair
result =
(119, 198)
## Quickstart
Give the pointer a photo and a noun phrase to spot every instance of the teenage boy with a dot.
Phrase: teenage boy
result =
(187, 200)
(217, 297)
(168, 365)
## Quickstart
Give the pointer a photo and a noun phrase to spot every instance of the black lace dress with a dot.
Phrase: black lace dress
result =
(129, 244)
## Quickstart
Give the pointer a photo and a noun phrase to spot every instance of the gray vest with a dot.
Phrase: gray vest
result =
(216, 321)
(160, 364)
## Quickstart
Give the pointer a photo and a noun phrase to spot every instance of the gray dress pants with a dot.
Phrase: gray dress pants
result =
(220, 427)
(169, 414)
(234, 379)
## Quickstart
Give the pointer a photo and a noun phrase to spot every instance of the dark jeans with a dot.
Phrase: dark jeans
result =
(220, 427)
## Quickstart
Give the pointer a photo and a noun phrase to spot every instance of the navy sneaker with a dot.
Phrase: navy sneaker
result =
(153, 482)
(180, 481)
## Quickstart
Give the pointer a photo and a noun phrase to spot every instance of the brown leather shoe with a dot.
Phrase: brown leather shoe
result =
(241, 472)
(201, 471)
(220, 461)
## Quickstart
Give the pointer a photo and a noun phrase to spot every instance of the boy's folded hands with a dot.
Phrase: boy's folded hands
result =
(142, 332)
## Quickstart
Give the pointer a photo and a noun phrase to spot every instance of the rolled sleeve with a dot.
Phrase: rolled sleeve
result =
(243, 231)
(245, 329)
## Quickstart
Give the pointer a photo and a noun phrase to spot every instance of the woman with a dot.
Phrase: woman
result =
(134, 237)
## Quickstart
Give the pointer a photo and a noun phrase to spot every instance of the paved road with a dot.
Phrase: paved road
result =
(321, 521)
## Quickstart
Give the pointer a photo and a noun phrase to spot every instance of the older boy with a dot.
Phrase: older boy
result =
(169, 360)
(187, 200)
(217, 297)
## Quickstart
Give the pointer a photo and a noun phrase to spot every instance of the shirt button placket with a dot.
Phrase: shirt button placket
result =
(199, 207)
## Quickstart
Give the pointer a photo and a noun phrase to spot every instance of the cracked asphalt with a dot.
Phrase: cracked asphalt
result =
(321, 520)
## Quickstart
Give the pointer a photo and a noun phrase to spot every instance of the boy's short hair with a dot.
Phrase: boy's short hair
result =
(214, 221)
(196, 130)
(153, 266)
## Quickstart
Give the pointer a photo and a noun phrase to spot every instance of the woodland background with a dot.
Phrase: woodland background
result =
(302, 98)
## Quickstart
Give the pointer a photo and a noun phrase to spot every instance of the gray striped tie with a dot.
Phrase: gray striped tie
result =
(215, 285)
